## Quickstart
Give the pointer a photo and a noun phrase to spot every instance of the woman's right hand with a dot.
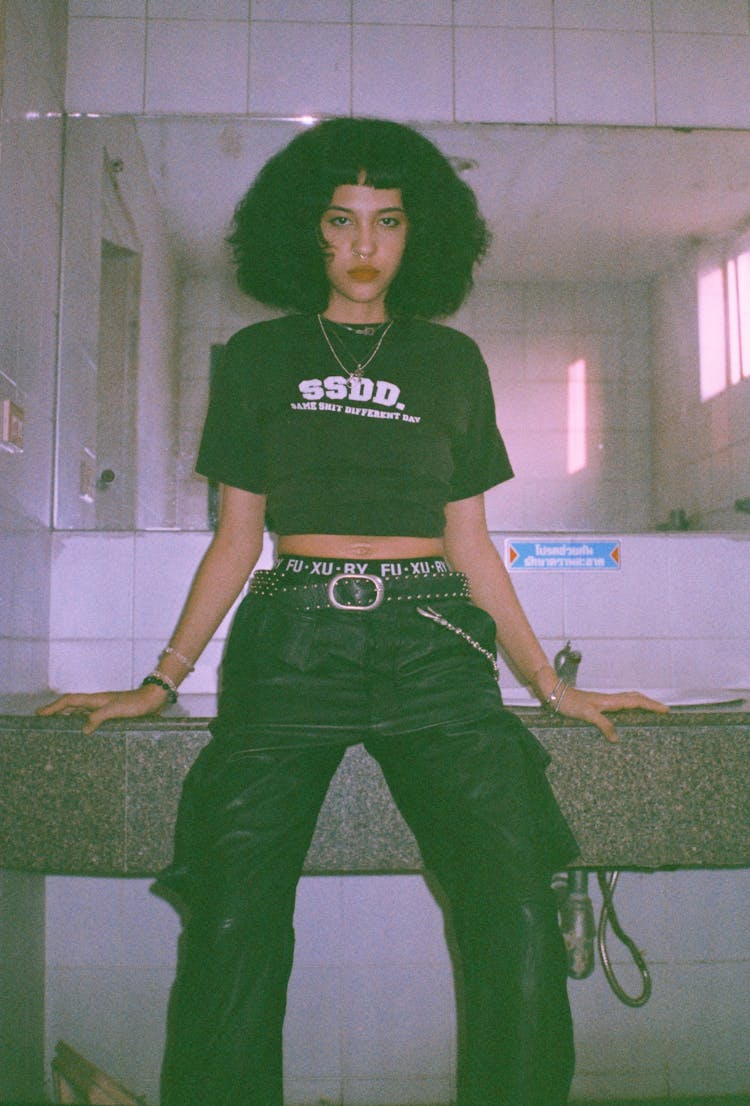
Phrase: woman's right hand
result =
(101, 705)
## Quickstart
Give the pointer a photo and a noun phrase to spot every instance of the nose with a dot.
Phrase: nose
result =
(363, 244)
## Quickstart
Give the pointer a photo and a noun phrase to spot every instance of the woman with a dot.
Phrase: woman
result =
(365, 436)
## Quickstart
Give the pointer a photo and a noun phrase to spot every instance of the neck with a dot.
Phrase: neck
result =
(366, 314)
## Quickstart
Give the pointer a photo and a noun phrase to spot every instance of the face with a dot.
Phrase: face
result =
(364, 230)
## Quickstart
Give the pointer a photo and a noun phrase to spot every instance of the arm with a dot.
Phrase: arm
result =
(470, 550)
(223, 571)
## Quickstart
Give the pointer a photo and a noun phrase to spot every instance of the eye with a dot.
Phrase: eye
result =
(338, 220)
(391, 221)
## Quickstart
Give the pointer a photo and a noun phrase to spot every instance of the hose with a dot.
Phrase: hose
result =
(607, 884)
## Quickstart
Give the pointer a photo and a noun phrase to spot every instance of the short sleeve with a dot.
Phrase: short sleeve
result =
(232, 449)
(479, 454)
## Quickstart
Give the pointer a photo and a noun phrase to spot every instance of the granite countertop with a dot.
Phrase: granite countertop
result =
(675, 792)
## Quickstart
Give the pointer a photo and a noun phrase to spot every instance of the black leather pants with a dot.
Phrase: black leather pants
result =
(468, 778)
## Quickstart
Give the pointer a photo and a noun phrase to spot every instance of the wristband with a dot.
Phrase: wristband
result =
(158, 679)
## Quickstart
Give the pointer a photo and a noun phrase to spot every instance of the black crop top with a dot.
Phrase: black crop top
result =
(380, 455)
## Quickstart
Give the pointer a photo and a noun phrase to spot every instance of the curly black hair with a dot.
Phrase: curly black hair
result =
(275, 236)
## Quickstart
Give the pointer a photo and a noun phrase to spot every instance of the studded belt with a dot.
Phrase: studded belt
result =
(358, 591)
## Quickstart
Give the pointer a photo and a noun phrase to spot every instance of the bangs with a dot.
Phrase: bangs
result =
(372, 155)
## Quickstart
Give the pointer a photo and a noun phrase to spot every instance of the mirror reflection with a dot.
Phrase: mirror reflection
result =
(613, 310)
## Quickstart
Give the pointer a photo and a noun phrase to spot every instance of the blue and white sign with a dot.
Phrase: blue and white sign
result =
(562, 555)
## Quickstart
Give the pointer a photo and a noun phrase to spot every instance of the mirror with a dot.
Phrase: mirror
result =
(586, 308)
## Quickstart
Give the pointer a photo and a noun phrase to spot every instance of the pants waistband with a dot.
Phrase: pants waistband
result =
(353, 585)
(291, 566)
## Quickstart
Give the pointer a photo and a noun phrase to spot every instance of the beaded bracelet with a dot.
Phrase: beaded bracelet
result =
(160, 680)
(169, 649)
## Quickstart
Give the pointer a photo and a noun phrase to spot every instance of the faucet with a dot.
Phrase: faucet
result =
(566, 664)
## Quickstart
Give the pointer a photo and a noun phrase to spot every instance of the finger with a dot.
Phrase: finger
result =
(631, 700)
(606, 728)
(62, 708)
(69, 704)
(95, 719)
(654, 705)
(55, 707)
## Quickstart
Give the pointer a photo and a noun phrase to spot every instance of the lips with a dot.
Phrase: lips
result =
(364, 274)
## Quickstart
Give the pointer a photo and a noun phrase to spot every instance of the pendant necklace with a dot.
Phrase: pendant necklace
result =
(360, 365)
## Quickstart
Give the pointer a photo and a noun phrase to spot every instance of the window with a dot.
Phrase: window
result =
(724, 324)
(576, 444)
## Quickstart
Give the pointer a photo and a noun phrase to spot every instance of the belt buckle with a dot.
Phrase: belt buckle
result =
(376, 581)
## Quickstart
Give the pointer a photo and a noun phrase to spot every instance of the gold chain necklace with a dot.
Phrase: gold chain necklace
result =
(361, 365)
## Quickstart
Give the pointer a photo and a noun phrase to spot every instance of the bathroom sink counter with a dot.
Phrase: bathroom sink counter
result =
(675, 792)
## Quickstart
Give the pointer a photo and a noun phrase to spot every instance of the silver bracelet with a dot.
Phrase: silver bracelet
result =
(555, 697)
(170, 650)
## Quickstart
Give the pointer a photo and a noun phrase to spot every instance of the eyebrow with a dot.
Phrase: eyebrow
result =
(353, 210)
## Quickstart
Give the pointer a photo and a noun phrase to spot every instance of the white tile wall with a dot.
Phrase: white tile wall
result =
(373, 1021)
(86, 601)
(700, 57)
(398, 1023)
(504, 73)
(434, 12)
(403, 72)
(503, 13)
(106, 64)
(695, 16)
(371, 913)
(113, 9)
(32, 39)
(705, 993)
(116, 599)
(626, 15)
(702, 80)
(196, 66)
(666, 588)
(300, 68)
(33, 67)
(311, 11)
(312, 1030)
(604, 77)
(164, 566)
(199, 9)
(92, 665)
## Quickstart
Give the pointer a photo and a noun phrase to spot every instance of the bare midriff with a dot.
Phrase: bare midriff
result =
(360, 546)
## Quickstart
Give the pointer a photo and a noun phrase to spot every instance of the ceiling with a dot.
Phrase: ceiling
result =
(564, 202)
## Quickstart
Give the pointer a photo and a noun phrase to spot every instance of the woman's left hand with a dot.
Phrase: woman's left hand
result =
(593, 706)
